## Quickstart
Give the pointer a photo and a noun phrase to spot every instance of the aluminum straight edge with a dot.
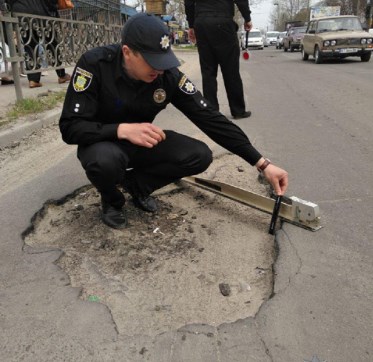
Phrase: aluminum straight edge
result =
(249, 198)
(252, 199)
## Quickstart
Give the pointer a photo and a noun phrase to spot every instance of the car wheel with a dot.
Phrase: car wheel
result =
(304, 54)
(317, 55)
(291, 48)
(366, 57)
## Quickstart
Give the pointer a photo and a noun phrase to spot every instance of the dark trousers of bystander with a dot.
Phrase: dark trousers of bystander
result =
(218, 45)
(32, 48)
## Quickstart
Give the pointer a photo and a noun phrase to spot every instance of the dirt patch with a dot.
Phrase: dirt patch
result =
(166, 270)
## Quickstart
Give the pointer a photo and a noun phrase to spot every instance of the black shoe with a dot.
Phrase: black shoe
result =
(145, 203)
(246, 114)
(6, 81)
(114, 217)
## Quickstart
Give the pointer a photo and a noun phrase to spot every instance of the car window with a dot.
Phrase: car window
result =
(312, 27)
(300, 30)
(255, 34)
(339, 24)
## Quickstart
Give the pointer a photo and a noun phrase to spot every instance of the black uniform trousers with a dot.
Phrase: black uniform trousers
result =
(217, 43)
(108, 164)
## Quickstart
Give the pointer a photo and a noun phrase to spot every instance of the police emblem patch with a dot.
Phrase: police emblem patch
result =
(187, 86)
(159, 95)
(82, 79)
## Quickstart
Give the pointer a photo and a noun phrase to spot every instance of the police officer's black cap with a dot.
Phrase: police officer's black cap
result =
(147, 34)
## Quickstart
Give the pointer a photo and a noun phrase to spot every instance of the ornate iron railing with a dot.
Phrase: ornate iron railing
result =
(37, 42)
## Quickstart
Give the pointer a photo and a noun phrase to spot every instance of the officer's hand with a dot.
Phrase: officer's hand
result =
(248, 26)
(277, 177)
(141, 134)
(192, 36)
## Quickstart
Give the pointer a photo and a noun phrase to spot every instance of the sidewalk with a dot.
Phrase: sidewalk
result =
(50, 84)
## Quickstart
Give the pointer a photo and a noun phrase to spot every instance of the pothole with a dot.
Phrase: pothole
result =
(201, 259)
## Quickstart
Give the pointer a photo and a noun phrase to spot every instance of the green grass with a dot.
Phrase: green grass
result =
(28, 106)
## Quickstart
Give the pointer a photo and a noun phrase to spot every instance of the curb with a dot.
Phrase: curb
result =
(26, 127)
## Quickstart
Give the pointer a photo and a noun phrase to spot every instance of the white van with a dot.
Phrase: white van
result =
(255, 40)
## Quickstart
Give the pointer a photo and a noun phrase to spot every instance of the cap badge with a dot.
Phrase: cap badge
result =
(187, 86)
(159, 95)
(82, 79)
(165, 42)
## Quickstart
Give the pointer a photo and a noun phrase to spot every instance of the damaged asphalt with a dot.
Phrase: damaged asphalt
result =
(320, 307)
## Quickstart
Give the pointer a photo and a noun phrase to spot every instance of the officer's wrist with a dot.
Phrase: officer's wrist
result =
(262, 164)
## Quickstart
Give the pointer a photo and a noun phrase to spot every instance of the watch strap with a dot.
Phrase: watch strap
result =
(264, 165)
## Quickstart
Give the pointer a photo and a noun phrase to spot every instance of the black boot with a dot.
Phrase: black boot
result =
(144, 202)
(114, 217)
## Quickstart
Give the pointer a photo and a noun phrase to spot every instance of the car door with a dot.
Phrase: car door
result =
(309, 38)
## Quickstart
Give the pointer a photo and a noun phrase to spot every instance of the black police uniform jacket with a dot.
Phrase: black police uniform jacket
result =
(101, 95)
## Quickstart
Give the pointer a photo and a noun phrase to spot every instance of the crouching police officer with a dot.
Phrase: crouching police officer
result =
(115, 95)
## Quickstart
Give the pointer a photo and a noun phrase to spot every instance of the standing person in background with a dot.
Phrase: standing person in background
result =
(41, 8)
(5, 78)
(212, 27)
(176, 36)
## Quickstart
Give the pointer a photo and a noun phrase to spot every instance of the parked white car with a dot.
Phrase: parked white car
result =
(254, 41)
(2, 56)
(272, 37)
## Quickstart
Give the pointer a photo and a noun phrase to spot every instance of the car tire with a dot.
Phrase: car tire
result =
(304, 54)
(317, 55)
(290, 47)
(365, 57)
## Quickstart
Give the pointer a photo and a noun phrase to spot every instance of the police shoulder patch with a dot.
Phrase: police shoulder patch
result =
(82, 80)
(186, 86)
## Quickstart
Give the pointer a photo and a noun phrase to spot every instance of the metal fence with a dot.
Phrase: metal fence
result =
(98, 11)
(29, 42)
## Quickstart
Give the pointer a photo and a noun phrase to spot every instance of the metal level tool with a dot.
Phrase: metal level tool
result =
(293, 210)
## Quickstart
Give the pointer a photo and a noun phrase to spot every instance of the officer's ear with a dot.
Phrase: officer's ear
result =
(126, 51)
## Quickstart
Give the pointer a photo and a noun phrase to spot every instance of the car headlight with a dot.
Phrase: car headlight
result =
(329, 43)
(369, 41)
(363, 41)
